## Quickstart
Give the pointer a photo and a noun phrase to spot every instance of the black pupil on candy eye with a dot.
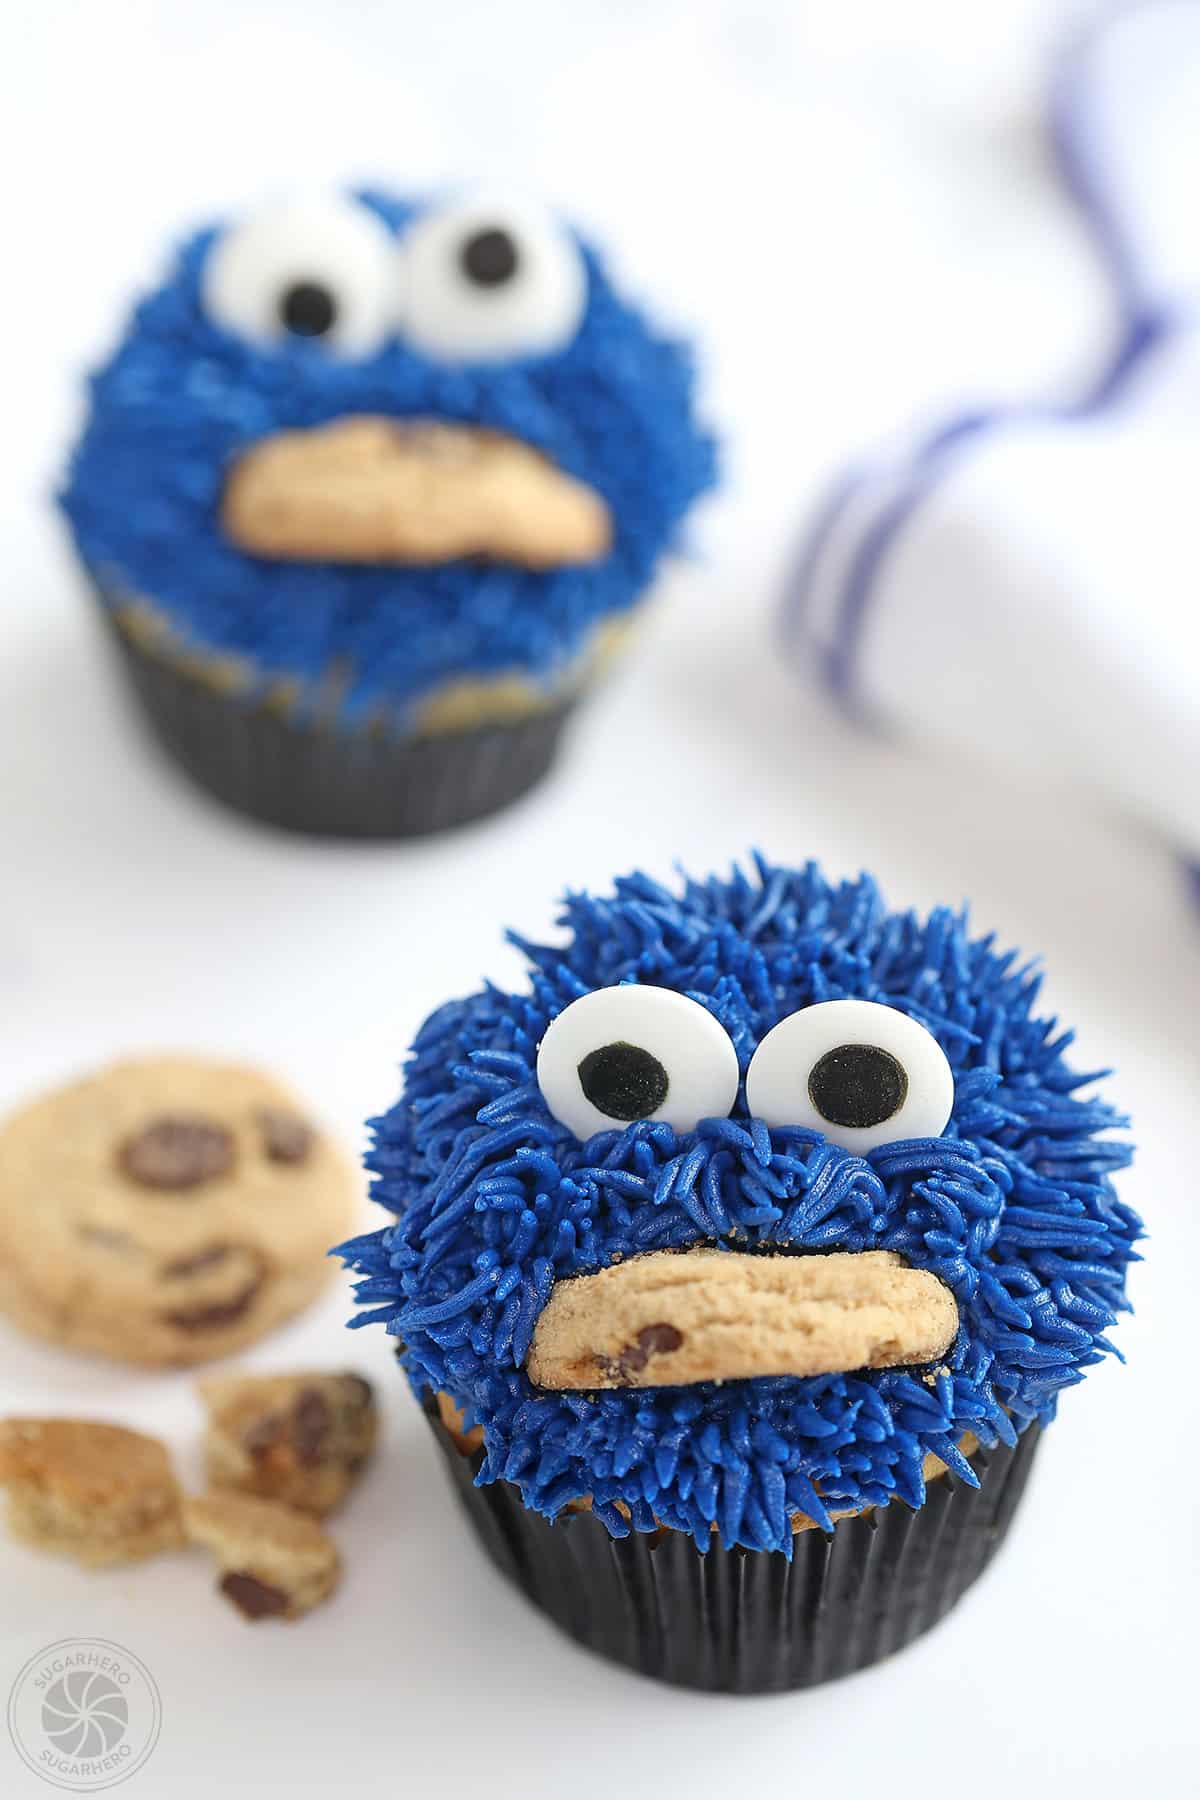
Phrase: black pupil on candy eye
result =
(623, 1081)
(307, 309)
(857, 1085)
(489, 257)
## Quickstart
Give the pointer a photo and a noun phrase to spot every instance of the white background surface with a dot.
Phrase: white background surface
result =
(850, 203)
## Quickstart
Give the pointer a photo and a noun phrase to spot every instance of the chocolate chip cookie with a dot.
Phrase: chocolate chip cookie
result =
(665, 1319)
(96, 1492)
(274, 1563)
(303, 1439)
(366, 489)
(167, 1211)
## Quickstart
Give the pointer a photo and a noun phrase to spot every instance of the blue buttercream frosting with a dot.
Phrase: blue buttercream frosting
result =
(1012, 1207)
(181, 397)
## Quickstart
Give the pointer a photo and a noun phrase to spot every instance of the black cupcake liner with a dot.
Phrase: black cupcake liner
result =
(319, 778)
(744, 1621)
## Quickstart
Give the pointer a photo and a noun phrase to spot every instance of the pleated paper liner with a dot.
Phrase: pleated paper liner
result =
(744, 1621)
(326, 780)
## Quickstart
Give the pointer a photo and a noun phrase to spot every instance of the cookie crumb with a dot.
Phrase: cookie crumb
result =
(96, 1492)
(302, 1438)
(274, 1563)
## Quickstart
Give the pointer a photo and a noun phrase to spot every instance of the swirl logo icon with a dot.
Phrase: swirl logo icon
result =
(84, 1714)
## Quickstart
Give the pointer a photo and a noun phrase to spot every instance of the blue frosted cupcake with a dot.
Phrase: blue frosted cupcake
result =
(739, 1262)
(369, 492)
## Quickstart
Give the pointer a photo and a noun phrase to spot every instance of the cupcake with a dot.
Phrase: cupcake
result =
(369, 492)
(738, 1264)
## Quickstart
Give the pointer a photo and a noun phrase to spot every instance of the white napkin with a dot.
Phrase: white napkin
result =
(1027, 582)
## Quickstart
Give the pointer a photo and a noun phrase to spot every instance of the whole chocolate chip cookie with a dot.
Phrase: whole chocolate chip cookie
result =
(167, 1211)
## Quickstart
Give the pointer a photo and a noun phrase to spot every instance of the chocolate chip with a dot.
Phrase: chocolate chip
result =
(652, 1340)
(196, 1263)
(264, 1434)
(311, 1423)
(286, 1138)
(254, 1598)
(177, 1151)
(358, 1390)
(218, 1313)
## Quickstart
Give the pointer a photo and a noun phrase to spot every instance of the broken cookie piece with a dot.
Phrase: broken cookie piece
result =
(96, 1492)
(274, 1563)
(302, 1439)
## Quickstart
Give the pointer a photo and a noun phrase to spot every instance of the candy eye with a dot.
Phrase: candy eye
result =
(321, 268)
(860, 1073)
(485, 281)
(625, 1053)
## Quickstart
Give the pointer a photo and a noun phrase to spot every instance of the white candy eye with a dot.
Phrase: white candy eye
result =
(486, 281)
(320, 268)
(860, 1073)
(625, 1053)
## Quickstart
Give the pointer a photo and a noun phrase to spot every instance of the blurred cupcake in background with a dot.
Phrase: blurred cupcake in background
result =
(369, 491)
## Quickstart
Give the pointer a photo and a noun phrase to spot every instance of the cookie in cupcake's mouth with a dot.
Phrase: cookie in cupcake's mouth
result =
(673, 1318)
(370, 489)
